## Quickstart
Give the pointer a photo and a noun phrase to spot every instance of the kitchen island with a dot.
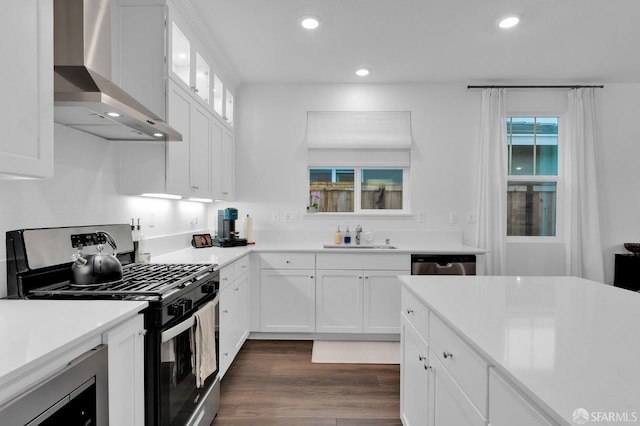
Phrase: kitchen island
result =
(559, 347)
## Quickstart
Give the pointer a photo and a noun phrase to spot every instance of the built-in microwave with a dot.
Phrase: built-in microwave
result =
(75, 396)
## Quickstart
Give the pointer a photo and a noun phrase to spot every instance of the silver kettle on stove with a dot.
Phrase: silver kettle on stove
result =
(97, 268)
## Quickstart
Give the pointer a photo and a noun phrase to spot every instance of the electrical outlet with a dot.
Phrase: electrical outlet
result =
(275, 216)
(472, 218)
(422, 217)
(453, 217)
(291, 216)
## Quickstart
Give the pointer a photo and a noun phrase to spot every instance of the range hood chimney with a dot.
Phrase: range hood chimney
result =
(85, 98)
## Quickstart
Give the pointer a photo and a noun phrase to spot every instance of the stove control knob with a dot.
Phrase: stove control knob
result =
(208, 288)
(188, 304)
(176, 309)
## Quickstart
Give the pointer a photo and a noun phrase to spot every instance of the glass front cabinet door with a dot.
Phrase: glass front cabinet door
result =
(189, 65)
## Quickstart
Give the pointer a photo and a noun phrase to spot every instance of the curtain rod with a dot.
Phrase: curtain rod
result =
(535, 87)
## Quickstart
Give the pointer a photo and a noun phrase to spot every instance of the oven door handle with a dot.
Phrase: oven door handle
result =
(182, 327)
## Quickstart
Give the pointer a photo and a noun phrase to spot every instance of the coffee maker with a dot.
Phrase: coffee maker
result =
(227, 235)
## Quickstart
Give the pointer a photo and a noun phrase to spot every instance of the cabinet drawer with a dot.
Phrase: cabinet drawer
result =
(240, 267)
(226, 276)
(288, 260)
(464, 365)
(374, 261)
(416, 313)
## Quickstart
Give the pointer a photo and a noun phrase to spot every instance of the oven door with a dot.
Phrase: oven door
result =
(180, 399)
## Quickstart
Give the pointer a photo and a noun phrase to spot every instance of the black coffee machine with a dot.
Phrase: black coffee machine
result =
(227, 235)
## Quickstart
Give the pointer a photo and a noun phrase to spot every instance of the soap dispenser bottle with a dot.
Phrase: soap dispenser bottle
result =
(347, 236)
(338, 238)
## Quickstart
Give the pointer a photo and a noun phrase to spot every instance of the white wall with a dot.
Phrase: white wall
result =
(271, 156)
(271, 160)
(84, 191)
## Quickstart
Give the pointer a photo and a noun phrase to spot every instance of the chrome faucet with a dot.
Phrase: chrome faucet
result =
(358, 234)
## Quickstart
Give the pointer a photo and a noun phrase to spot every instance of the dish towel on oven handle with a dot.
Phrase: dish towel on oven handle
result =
(204, 343)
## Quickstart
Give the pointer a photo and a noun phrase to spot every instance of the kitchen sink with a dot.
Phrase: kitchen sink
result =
(361, 246)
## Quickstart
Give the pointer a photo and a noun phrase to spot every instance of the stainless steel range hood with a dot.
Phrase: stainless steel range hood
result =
(85, 98)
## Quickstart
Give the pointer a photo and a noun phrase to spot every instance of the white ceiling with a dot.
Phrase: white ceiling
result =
(558, 41)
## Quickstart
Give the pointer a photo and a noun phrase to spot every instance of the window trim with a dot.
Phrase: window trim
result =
(357, 189)
(559, 179)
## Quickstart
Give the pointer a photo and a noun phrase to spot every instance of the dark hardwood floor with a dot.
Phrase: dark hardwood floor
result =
(273, 383)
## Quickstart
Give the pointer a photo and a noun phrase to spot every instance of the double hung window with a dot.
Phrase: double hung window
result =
(532, 181)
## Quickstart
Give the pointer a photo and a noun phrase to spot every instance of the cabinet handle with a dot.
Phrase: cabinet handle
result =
(311, 276)
(287, 261)
(225, 279)
(359, 278)
(226, 354)
(142, 332)
(236, 289)
(225, 311)
(447, 354)
(427, 367)
(421, 358)
(225, 193)
(409, 311)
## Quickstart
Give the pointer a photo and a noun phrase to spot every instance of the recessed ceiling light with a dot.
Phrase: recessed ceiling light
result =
(113, 114)
(310, 22)
(363, 72)
(158, 135)
(510, 21)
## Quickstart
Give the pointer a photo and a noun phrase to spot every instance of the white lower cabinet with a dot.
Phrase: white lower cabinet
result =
(339, 301)
(349, 301)
(451, 404)
(287, 292)
(381, 301)
(125, 345)
(234, 311)
(506, 405)
(359, 293)
(287, 300)
(416, 383)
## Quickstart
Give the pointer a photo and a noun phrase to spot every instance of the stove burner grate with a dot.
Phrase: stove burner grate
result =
(152, 280)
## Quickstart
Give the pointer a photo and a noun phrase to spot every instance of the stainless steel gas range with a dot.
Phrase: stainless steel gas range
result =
(40, 263)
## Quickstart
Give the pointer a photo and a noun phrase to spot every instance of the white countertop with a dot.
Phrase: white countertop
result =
(35, 332)
(568, 342)
(225, 255)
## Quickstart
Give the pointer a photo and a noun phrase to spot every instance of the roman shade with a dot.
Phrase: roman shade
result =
(359, 138)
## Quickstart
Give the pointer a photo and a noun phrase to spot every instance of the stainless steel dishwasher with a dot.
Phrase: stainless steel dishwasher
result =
(443, 264)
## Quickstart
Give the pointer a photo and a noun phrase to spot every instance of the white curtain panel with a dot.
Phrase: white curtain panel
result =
(492, 186)
(584, 248)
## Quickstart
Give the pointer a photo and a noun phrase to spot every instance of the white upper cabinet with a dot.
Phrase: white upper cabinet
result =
(189, 64)
(188, 161)
(228, 109)
(26, 105)
(202, 78)
(218, 94)
(180, 55)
